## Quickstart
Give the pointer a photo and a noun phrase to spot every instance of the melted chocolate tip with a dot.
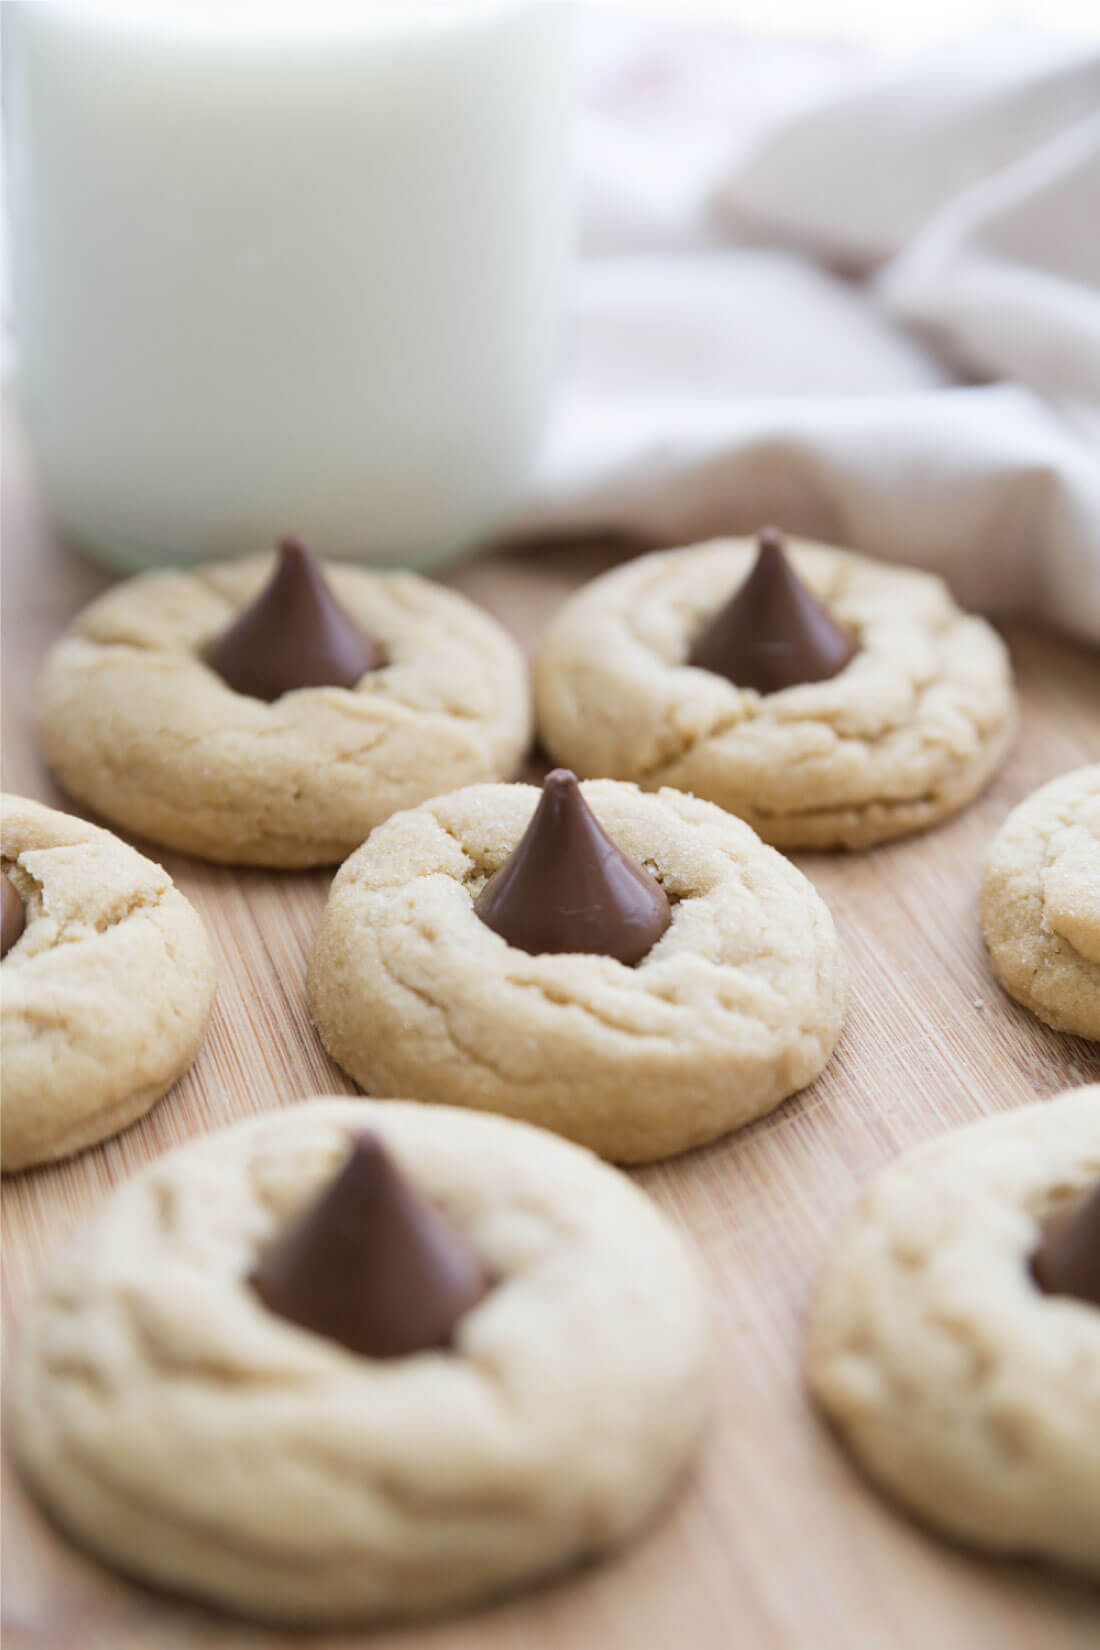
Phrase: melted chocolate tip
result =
(1067, 1261)
(773, 632)
(567, 887)
(371, 1263)
(295, 634)
(13, 917)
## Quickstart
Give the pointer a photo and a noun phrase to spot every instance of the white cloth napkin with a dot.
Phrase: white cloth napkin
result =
(859, 299)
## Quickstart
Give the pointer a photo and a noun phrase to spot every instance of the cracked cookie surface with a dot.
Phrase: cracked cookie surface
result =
(178, 1428)
(107, 993)
(1040, 903)
(904, 735)
(961, 1387)
(135, 724)
(737, 1006)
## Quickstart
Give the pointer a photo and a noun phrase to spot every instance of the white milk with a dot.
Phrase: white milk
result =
(285, 268)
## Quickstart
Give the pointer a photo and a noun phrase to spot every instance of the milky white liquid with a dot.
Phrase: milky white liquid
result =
(285, 269)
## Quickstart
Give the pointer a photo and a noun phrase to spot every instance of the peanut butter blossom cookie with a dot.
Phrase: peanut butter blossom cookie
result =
(355, 1361)
(271, 711)
(638, 972)
(107, 984)
(1040, 903)
(829, 700)
(955, 1335)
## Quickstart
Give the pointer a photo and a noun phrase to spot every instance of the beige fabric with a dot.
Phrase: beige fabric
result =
(906, 734)
(738, 1004)
(104, 999)
(1040, 903)
(179, 1429)
(944, 412)
(136, 725)
(962, 1388)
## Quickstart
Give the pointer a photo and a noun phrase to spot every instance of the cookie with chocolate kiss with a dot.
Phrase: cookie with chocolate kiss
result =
(277, 1475)
(566, 887)
(294, 635)
(671, 669)
(193, 736)
(108, 983)
(413, 991)
(968, 1394)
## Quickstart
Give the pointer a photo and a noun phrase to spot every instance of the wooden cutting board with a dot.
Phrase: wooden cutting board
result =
(774, 1542)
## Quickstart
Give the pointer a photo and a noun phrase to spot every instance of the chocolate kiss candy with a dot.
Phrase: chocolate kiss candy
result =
(1067, 1261)
(371, 1263)
(567, 887)
(14, 917)
(773, 633)
(294, 635)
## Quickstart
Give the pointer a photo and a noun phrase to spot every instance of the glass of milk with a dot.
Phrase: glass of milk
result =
(286, 268)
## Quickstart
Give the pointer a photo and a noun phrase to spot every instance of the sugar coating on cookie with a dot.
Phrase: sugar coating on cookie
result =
(906, 733)
(1040, 903)
(962, 1388)
(135, 723)
(178, 1428)
(106, 993)
(738, 1005)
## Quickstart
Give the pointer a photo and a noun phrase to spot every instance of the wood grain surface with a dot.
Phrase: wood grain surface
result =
(774, 1542)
